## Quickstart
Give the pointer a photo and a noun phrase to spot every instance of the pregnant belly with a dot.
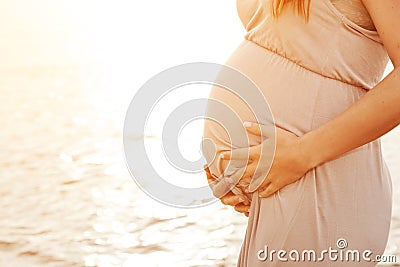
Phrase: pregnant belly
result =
(300, 100)
(276, 82)
(228, 108)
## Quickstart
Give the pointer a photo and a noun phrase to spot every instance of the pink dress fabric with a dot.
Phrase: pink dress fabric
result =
(309, 73)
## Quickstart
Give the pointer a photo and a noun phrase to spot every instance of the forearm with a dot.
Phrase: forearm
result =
(375, 114)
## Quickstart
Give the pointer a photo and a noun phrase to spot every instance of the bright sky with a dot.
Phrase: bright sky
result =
(127, 35)
(144, 33)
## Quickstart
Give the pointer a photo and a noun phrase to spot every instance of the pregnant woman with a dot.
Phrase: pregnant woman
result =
(319, 65)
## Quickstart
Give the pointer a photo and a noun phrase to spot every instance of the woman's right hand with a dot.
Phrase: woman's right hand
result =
(237, 201)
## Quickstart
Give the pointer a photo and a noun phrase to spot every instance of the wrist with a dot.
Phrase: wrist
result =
(306, 148)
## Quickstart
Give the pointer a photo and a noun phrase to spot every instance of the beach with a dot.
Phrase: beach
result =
(67, 196)
(67, 77)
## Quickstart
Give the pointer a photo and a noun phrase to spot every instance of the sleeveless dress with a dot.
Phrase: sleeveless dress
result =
(309, 73)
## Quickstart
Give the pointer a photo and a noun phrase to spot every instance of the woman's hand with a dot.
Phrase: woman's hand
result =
(289, 162)
(237, 201)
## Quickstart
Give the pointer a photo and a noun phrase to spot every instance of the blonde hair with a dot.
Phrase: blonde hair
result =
(301, 6)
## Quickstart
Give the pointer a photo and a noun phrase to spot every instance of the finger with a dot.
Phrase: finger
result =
(268, 191)
(262, 186)
(242, 208)
(252, 153)
(246, 172)
(250, 170)
(245, 181)
(266, 130)
(219, 185)
(282, 133)
(247, 214)
(210, 178)
(236, 154)
(232, 199)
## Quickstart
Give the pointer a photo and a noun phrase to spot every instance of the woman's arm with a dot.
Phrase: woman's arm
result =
(377, 112)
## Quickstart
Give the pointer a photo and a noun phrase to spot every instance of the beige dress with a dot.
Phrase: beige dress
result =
(309, 73)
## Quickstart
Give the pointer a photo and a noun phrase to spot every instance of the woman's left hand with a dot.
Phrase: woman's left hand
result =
(289, 162)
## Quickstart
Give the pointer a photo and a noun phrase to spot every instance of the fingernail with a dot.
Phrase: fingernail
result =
(241, 199)
(247, 124)
(222, 155)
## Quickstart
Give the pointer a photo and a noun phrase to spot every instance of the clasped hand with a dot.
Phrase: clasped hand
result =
(289, 164)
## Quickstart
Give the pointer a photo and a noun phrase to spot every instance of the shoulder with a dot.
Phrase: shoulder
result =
(386, 17)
